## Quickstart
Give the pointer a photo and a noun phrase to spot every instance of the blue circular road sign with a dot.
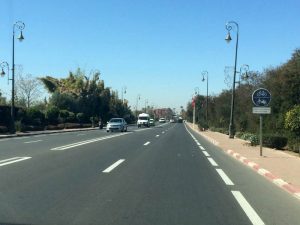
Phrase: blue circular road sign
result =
(261, 97)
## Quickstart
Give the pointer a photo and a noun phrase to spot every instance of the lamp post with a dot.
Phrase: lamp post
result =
(205, 73)
(228, 39)
(124, 89)
(137, 103)
(20, 26)
(194, 105)
(146, 104)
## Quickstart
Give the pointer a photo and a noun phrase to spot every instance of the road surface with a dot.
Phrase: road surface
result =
(164, 175)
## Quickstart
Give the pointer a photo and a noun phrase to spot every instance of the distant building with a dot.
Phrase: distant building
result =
(163, 113)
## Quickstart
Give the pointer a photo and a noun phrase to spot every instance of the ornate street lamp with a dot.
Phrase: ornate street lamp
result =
(4, 65)
(20, 26)
(137, 104)
(124, 89)
(205, 74)
(244, 69)
(228, 39)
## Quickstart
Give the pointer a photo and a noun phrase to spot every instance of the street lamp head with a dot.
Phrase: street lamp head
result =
(2, 74)
(228, 37)
(21, 37)
(203, 79)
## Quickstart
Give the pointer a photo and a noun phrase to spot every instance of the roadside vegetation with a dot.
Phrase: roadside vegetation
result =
(79, 100)
(281, 127)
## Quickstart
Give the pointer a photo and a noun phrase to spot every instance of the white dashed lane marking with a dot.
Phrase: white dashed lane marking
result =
(147, 143)
(205, 153)
(250, 212)
(224, 177)
(212, 161)
(113, 166)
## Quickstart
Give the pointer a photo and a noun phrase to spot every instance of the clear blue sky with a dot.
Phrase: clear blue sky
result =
(154, 48)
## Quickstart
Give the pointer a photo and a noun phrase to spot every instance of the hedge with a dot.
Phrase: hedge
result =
(274, 141)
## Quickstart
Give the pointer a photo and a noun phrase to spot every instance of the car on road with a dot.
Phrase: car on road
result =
(116, 124)
(162, 120)
(152, 122)
(143, 120)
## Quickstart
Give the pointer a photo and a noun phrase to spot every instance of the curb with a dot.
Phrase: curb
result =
(267, 174)
(44, 132)
(52, 132)
(295, 191)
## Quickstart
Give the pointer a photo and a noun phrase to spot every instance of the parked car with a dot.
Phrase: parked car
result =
(116, 124)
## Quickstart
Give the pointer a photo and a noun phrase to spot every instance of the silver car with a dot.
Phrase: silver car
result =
(116, 124)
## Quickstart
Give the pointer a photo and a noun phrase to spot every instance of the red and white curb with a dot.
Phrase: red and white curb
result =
(278, 181)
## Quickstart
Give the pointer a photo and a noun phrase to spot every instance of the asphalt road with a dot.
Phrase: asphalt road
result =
(163, 175)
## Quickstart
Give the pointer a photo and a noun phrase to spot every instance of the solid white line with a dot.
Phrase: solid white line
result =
(212, 161)
(85, 142)
(12, 160)
(110, 168)
(205, 153)
(201, 148)
(198, 143)
(224, 177)
(147, 143)
(28, 142)
(250, 212)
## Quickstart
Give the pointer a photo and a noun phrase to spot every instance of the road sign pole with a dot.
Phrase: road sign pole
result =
(260, 133)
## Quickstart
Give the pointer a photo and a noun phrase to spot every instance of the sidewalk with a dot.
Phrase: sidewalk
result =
(280, 167)
(30, 133)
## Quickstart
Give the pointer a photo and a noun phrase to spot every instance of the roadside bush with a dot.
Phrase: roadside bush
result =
(81, 117)
(219, 129)
(3, 129)
(52, 114)
(71, 117)
(72, 125)
(254, 140)
(54, 127)
(33, 128)
(63, 115)
(246, 136)
(274, 141)
(19, 126)
(86, 125)
(239, 134)
(34, 117)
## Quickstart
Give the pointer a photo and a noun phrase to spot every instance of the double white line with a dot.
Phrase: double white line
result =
(12, 160)
(64, 147)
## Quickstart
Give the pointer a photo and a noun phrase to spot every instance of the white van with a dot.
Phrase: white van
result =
(143, 120)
